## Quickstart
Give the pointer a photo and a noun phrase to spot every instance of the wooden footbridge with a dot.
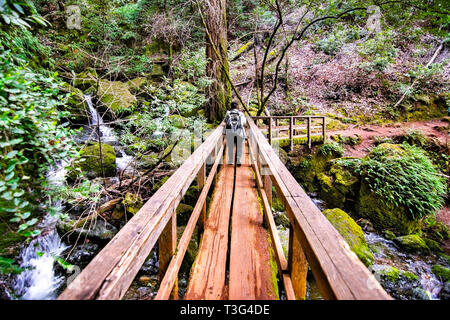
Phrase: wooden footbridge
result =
(239, 238)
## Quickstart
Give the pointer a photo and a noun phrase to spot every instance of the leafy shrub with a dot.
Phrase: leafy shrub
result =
(331, 148)
(404, 176)
(32, 139)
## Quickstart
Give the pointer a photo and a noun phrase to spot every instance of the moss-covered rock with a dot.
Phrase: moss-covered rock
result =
(98, 231)
(400, 284)
(427, 107)
(382, 215)
(351, 232)
(433, 245)
(338, 184)
(184, 213)
(307, 165)
(132, 202)
(85, 79)
(135, 85)
(9, 240)
(412, 243)
(441, 272)
(76, 104)
(116, 96)
(91, 163)
(388, 234)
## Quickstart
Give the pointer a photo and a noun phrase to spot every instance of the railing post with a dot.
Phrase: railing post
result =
(270, 130)
(309, 132)
(297, 265)
(167, 244)
(267, 182)
(324, 128)
(291, 131)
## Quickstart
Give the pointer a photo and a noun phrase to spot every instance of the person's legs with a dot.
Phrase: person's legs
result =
(230, 146)
(239, 148)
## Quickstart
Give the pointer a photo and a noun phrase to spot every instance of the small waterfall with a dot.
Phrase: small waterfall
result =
(106, 132)
(38, 280)
(107, 135)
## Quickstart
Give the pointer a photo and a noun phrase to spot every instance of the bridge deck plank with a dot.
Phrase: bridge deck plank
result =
(207, 279)
(250, 270)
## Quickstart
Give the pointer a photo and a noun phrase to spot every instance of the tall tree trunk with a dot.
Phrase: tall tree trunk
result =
(219, 93)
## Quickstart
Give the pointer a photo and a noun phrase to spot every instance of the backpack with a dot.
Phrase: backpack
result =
(234, 120)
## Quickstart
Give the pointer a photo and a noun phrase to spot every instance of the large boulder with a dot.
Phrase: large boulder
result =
(116, 96)
(351, 232)
(91, 163)
(384, 215)
(306, 165)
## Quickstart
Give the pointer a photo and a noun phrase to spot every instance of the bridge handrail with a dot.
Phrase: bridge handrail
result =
(292, 127)
(113, 269)
(337, 270)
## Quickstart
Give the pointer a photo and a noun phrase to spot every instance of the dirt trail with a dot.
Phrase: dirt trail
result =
(369, 132)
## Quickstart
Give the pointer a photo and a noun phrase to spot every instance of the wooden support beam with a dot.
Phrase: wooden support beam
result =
(201, 175)
(167, 244)
(324, 129)
(309, 132)
(297, 265)
(291, 132)
(267, 187)
(270, 131)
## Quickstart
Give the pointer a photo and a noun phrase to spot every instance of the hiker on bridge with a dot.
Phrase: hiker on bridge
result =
(235, 133)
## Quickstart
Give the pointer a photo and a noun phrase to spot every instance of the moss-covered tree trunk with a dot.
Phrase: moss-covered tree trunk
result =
(219, 93)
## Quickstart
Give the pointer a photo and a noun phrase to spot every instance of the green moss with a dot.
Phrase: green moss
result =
(412, 243)
(384, 215)
(9, 241)
(85, 79)
(178, 121)
(90, 162)
(76, 104)
(351, 232)
(433, 245)
(306, 165)
(388, 234)
(273, 269)
(116, 96)
(132, 202)
(442, 272)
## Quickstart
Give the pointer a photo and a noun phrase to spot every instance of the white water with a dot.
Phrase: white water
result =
(388, 250)
(38, 280)
(106, 132)
(107, 135)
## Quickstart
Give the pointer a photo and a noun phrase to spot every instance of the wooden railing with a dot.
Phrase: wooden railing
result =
(308, 127)
(113, 269)
(312, 239)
